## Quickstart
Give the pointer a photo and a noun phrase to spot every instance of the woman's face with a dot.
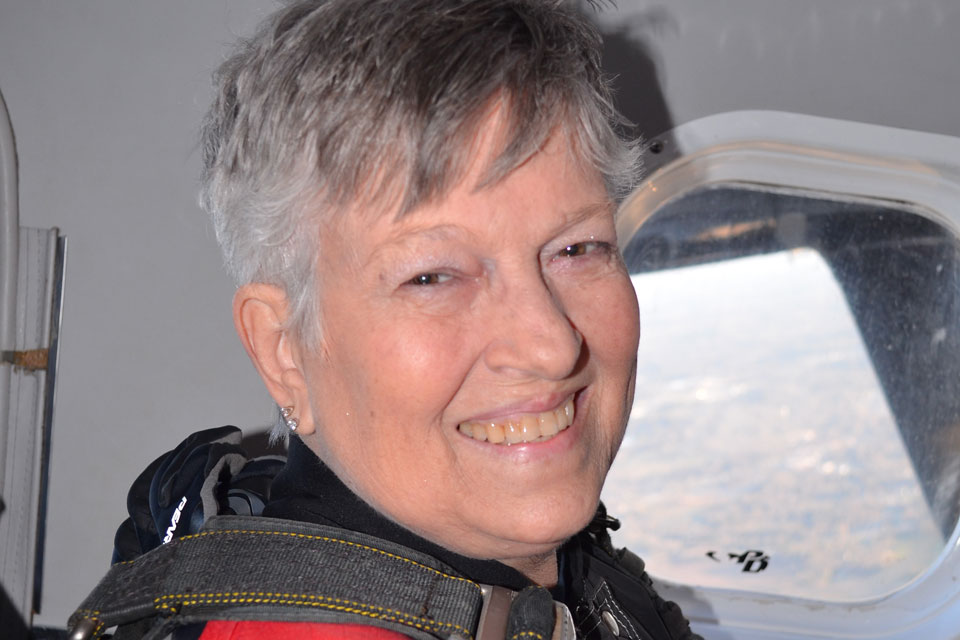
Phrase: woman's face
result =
(477, 358)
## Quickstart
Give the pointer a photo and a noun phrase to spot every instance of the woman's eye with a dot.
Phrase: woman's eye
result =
(428, 279)
(581, 248)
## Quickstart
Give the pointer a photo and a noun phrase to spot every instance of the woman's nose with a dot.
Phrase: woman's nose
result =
(533, 335)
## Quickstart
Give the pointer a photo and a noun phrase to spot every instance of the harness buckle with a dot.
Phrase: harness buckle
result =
(563, 628)
(496, 610)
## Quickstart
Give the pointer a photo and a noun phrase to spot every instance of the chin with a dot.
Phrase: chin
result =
(541, 530)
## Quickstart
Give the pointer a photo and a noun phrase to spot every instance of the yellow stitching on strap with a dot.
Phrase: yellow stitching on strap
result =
(305, 536)
(299, 599)
(92, 614)
(526, 634)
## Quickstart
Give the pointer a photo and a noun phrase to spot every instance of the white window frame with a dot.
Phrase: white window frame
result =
(835, 158)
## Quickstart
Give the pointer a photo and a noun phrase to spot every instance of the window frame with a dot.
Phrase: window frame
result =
(838, 159)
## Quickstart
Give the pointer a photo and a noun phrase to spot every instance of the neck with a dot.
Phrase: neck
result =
(539, 569)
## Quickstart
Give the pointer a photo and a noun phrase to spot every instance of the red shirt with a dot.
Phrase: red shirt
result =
(258, 630)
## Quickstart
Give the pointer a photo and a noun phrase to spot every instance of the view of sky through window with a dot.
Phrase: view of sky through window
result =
(761, 453)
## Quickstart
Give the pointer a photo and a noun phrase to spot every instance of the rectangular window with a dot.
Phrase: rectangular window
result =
(793, 430)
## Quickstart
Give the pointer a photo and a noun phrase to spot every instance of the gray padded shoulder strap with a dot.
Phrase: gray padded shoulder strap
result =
(255, 568)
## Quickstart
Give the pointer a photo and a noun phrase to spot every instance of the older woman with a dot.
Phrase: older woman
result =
(417, 201)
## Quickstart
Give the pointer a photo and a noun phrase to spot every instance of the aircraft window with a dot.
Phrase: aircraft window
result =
(796, 425)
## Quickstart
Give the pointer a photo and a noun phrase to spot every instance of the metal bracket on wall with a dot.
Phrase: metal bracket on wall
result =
(31, 359)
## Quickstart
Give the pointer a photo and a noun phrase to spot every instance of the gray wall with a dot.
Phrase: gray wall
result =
(890, 62)
(105, 99)
(106, 96)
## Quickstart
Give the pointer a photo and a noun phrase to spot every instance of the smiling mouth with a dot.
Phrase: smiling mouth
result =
(527, 427)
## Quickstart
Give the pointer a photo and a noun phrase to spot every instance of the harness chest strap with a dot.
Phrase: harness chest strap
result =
(265, 569)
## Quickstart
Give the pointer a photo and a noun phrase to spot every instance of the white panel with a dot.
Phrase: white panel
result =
(24, 433)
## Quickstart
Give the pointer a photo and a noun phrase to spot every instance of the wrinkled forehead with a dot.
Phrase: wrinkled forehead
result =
(550, 190)
(488, 149)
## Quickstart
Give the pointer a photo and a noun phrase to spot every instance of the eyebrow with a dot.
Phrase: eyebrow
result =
(447, 231)
(434, 232)
(424, 234)
(591, 210)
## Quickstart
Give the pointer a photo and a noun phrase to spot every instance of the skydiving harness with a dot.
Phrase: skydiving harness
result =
(256, 568)
(196, 549)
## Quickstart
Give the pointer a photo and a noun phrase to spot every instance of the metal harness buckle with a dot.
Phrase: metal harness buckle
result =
(496, 610)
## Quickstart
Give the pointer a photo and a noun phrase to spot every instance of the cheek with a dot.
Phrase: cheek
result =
(609, 320)
(413, 364)
(392, 381)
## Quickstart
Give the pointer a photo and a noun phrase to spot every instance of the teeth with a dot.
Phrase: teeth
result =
(512, 431)
(529, 427)
(478, 431)
(548, 423)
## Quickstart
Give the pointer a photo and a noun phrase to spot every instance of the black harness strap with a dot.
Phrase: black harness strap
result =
(256, 568)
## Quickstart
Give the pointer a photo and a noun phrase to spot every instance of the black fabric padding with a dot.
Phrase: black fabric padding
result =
(532, 615)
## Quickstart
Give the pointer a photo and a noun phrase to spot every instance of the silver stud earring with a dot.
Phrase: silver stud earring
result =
(286, 414)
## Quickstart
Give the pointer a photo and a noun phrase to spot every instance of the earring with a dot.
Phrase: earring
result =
(286, 414)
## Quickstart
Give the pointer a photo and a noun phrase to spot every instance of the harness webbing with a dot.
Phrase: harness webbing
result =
(250, 567)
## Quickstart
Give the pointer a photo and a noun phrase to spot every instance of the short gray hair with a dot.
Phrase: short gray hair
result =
(335, 103)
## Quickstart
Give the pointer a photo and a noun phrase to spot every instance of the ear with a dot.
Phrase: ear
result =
(260, 314)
